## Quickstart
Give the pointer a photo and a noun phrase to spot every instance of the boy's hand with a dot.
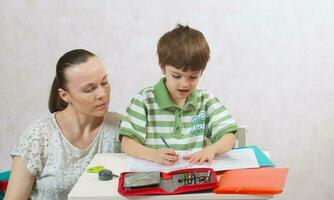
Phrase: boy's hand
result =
(166, 156)
(205, 155)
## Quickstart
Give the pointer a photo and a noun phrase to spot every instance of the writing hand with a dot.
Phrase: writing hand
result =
(166, 156)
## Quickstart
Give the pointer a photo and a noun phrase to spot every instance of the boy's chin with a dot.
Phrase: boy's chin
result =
(182, 97)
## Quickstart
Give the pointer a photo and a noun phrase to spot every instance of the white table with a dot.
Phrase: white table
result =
(90, 187)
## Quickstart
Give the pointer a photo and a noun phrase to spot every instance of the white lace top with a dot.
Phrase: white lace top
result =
(54, 161)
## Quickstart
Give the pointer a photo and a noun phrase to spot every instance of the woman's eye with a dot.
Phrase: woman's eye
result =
(105, 83)
(88, 90)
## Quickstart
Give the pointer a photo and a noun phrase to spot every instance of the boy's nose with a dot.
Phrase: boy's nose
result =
(184, 83)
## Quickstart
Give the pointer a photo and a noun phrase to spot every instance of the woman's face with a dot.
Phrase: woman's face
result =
(88, 89)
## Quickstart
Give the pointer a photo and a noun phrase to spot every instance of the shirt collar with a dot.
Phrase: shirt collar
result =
(164, 100)
(192, 100)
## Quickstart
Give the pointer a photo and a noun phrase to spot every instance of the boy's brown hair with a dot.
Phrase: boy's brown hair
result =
(183, 48)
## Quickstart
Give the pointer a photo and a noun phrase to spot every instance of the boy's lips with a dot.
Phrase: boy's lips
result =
(183, 92)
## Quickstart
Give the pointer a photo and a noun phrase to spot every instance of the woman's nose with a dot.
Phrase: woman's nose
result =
(101, 92)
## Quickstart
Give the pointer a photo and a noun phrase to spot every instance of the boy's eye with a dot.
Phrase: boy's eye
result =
(104, 83)
(194, 77)
(176, 76)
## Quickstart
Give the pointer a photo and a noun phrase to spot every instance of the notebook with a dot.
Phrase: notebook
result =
(262, 159)
(233, 159)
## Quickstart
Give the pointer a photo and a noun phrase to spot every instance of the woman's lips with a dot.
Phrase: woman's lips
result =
(102, 105)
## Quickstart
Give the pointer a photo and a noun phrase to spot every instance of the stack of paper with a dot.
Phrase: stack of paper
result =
(234, 159)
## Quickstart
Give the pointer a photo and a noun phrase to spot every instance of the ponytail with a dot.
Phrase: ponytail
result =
(56, 103)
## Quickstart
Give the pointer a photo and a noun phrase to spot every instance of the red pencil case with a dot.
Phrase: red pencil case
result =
(174, 182)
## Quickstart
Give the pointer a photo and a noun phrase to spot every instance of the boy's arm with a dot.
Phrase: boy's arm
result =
(162, 156)
(224, 144)
(133, 135)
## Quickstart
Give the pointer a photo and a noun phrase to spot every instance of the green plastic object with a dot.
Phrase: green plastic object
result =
(95, 169)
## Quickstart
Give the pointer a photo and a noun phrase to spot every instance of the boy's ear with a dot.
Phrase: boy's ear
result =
(64, 95)
(162, 68)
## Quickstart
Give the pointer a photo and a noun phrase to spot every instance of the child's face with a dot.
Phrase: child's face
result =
(180, 83)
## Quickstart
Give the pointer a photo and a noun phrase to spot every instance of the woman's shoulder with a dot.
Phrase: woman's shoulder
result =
(38, 132)
(113, 119)
(41, 125)
(110, 132)
(33, 144)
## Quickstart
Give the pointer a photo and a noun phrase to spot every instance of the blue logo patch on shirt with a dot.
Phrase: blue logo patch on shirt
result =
(198, 123)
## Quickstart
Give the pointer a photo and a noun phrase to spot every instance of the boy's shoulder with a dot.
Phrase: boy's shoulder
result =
(146, 90)
(144, 94)
(202, 93)
(206, 97)
(149, 92)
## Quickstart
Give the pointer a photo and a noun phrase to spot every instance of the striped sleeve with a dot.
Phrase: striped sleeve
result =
(220, 121)
(134, 122)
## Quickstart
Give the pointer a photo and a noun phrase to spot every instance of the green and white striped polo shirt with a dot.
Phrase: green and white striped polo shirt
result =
(152, 115)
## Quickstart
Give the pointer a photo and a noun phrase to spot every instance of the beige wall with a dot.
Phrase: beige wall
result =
(272, 65)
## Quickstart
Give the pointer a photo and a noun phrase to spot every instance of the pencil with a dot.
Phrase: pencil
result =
(209, 176)
(164, 141)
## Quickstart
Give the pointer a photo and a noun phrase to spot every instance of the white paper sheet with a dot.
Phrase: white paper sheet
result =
(234, 159)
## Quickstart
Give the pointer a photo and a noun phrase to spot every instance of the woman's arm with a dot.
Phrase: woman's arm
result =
(163, 156)
(20, 181)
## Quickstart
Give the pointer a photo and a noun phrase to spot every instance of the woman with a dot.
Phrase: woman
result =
(54, 151)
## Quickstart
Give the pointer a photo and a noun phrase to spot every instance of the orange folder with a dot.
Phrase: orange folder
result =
(265, 180)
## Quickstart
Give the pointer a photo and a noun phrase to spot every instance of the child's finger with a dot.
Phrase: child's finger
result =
(187, 157)
(194, 159)
(171, 158)
(210, 160)
(202, 160)
(167, 162)
(171, 152)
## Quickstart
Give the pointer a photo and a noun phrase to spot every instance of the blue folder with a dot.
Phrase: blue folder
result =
(262, 159)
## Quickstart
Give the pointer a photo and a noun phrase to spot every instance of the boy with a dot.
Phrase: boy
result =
(174, 114)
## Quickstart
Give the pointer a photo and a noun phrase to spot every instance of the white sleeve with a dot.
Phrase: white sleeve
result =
(31, 147)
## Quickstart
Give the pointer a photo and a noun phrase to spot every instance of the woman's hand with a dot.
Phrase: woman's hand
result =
(205, 155)
(165, 156)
